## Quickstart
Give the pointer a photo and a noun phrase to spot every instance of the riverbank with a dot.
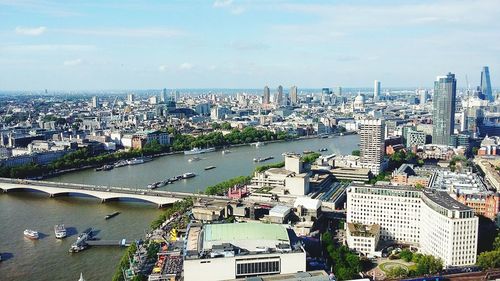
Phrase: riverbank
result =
(159, 155)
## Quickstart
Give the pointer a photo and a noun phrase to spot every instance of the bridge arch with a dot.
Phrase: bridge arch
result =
(131, 199)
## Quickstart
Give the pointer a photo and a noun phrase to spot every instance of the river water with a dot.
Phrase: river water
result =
(48, 258)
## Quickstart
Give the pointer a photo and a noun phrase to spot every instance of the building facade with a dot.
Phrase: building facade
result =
(372, 144)
(431, 220)
(486, 84)
(443, 114)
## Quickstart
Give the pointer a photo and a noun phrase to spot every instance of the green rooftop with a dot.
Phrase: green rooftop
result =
(244, 231)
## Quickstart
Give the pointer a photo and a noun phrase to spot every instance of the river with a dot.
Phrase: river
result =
(48, 258)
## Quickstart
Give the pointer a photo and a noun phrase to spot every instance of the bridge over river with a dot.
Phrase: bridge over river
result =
(104, 193)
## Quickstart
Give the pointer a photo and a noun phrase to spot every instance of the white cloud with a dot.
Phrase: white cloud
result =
(73, 62)
(162, 68)
(31, 31)
(230, 6)
(46, 47)
(186, 66)
(126, 32)
(222, 3)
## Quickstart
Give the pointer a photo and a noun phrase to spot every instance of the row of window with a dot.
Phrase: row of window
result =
(257, 268)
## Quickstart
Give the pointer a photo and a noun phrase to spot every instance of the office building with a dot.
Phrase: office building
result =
(294, 98)
(372, 144)
(266, 98)
(376, 90)
(163, 97)
(443, 115)
(428, 219)
(239, 250)
(339, 91)
(279, 96)
(130, 98)
(95, 101)
(486, 84)
(423, 94)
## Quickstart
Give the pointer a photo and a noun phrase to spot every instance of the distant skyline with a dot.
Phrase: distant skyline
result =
(90, 45)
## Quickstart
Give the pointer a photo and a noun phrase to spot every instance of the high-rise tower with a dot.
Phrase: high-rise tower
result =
(443, 115)
(294, 98)
(266, 98)
(371, 144)
(376, 90)
(486, 84)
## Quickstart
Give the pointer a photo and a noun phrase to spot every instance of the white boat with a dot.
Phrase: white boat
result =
(135, 161)
(258, 144)
(60, 231)
(31, 234)
(188, 175)
(226, 151)
(198, 150)
(194, 159)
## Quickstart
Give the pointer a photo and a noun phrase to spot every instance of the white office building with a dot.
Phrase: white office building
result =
(428, 219)
(371, 144)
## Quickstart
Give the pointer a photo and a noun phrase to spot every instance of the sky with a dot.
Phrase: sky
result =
(90, 45)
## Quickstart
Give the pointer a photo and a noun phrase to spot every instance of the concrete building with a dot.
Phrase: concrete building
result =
(95, 101)
(443, 114)
(428, 219)
(266, 97)
(372, 144)
(376, 90)
(363, 238)
(239, 250)
(294, 98)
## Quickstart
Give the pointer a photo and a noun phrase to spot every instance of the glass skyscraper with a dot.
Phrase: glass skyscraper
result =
(486, 84)
(443, 115)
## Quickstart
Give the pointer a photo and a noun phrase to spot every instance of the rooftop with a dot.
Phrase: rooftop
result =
(249, 236)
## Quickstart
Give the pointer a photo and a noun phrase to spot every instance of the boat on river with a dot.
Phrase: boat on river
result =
(194, 159)
(262, 159)
(31, 234)
(209, 168)
(188, 175)
(198, 150)
(60, 231)
(107, 217)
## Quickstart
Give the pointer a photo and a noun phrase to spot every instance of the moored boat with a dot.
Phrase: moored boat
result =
(323, 149)
(209, 168)
(60, 231)
(31, 234)
(188, 175)
(198, 150)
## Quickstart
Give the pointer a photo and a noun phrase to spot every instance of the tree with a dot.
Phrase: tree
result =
(406, 255)
(487, 260)
(356, 152)
(397, 272)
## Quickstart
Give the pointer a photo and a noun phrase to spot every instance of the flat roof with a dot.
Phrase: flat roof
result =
(233, 232)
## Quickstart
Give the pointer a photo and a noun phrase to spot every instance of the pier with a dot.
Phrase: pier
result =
(121, 243)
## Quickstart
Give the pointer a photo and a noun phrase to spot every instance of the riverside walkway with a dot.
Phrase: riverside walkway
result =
(104, 193)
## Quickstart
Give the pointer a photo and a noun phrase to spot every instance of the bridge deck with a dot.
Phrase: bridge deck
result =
(104, 193)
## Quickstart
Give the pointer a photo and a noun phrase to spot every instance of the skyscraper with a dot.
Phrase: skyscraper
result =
(422, 93)
(163, 97)
(376, 90)
(486, 84)
(339, 91)
(294, 98)
(443, 115)
(130, 98)
(266, 98)
(279, 96)
(95, 101)
(371, 144)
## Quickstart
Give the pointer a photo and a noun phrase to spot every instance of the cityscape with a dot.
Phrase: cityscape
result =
(174, 141)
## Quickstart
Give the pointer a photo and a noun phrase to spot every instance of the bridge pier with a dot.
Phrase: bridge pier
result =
(103, 200)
